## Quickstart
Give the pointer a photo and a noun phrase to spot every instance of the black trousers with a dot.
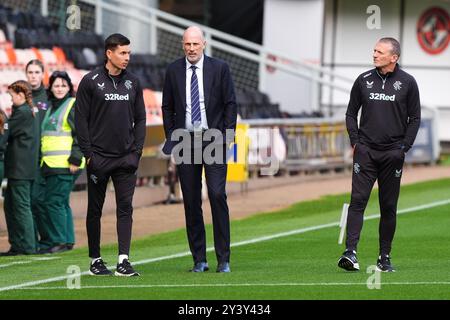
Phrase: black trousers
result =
(191, 185)
(122, 171)
(370, 165)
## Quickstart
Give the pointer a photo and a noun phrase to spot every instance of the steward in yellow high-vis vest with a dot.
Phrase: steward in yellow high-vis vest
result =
(61, 164)
(57, 138)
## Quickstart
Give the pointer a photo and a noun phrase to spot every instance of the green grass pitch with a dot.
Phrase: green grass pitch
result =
(267, 261)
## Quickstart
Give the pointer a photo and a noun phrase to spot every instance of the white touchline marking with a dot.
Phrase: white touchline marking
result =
(45, 258)
(14, 263)
(28, 261)
(260, 239)
(298, 284)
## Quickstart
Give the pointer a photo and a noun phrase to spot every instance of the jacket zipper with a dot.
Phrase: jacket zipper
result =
(384, 80)
(114, 83)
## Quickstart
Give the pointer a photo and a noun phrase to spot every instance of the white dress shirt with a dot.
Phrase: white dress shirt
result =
(199, 73)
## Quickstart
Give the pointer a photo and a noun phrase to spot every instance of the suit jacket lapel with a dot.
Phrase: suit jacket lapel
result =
(207, 79)
(181, 81)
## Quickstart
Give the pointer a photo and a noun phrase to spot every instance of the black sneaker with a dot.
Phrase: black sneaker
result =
(125, 269)
(384, 264)
(98, 268)
(348, 261)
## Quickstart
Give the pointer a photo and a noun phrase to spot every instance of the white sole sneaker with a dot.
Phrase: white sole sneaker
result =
(347, 264)
(118, 274)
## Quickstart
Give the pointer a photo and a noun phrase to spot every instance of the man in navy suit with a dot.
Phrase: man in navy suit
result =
(199, 98)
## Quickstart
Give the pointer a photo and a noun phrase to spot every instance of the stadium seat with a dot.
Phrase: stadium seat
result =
(4, 60)
(90, 57)
(5, 103)
(2, 37)
(48, 57)
(24, 56)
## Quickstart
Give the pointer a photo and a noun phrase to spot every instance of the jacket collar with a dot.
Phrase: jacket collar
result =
(120, 75)
(388, 74)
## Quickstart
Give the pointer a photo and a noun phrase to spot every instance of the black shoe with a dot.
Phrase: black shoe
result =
(98, 268)
(11, 253)
(200, 267)
(56, 249)
(125, 269)
(70, 246)
(223, 267)
(348, 261)
(384, 264)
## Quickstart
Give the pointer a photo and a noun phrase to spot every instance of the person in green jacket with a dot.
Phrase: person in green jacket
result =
(3, 141)
(21, 157)
(61, 162)
(34, 72)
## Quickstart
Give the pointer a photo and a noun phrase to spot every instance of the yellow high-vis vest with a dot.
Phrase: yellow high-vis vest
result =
(56, 137)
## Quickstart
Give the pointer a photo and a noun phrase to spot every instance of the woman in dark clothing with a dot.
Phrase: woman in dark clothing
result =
(21, 158)
(34, 72)
(61, 162)
(3, 142)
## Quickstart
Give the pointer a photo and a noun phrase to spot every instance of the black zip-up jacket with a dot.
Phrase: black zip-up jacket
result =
(390, 116)
(110, 114)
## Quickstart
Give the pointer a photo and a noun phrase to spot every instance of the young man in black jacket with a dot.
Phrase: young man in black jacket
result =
(110, 124)
(390, 120)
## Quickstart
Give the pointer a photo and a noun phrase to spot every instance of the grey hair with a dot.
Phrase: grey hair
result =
(198, 29)
(394, 44)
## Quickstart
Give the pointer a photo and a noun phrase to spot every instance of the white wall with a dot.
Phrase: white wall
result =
(295, 29)
(354, 45)
(136, 31)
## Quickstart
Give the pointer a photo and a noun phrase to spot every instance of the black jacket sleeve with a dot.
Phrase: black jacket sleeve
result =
(352, 113)
(76, 156)
(139, 119)
(230, 105)
(413, 105)
(82, 113)
(168, 108)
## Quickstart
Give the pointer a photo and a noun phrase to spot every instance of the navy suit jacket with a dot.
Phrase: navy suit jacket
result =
(220, 99)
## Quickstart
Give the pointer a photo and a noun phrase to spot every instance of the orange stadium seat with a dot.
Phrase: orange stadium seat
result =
(11, 53)
(60, 56)
(48, 57)
(149, 99)
(38, 54)
(24, 56)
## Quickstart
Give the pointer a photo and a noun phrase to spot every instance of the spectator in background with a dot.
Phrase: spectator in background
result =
(3, 141)
(35, 74)
(20, 168)
(61, 162)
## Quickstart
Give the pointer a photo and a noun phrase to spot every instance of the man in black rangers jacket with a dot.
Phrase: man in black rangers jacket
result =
(110, 124)
(390, 120)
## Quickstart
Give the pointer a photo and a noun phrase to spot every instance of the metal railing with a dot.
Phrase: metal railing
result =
(250, 63)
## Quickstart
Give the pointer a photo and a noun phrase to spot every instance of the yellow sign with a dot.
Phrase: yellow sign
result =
(237, 157)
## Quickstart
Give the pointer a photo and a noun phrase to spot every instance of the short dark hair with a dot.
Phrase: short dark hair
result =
(115, 40)
(394, 43)
(63, 75)
(35, 62)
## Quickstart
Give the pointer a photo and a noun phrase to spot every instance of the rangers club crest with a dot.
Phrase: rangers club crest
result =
(128, 84)
(397, 85)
